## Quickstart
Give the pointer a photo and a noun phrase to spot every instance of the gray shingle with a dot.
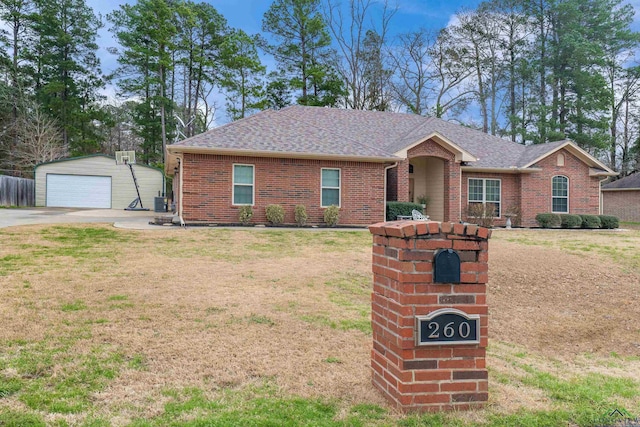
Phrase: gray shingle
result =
(630, 181)
(332, 131)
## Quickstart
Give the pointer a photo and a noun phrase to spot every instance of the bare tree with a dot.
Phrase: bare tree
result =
(40, 139)
(350, 34)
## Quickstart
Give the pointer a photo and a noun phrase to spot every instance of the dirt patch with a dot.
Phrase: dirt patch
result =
(563, 301)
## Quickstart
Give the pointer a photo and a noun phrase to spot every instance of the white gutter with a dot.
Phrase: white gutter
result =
(600, 198)
(386, 168)
(182, 224)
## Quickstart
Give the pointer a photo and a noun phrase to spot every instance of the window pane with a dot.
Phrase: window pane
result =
(559, 204)
(330, 197)
(496, 209)
(242, 194)
(243, 174)
(560, 186)
(493, 190)
(475, 190)
(330, 178)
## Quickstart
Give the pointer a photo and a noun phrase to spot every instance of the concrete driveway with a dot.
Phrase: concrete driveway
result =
(119, 217)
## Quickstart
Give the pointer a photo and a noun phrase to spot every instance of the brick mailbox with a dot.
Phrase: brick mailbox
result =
(429, 314)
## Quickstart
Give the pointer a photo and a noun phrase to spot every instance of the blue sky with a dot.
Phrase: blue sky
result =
(247, 15)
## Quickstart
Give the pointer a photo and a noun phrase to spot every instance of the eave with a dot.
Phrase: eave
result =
(600, 172)
(512, 170)
(174, 151)
(461, 155)
(620, 189)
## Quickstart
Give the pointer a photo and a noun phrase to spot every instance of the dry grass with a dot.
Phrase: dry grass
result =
(219, 310)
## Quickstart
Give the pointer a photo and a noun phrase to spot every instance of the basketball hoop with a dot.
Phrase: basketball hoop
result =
(128, 158)
(125, 157)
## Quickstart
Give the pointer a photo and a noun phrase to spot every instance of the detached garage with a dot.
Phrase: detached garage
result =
(95, 182)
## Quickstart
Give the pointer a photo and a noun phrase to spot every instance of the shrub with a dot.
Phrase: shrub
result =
(332, 215)
(548, 220)
(480, 214)
(570, 221)
(300, 214)
(609, 222)
(590, 221)
(245, 213)
(401, 208)
(275, 214)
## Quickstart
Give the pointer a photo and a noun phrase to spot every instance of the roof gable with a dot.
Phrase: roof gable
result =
(535, 153)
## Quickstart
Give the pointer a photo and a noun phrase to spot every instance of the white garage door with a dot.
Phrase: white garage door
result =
(78, 191)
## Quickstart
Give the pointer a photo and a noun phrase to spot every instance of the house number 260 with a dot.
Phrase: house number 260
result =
(464, 330)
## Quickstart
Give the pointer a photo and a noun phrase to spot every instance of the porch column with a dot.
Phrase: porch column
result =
(452, 183)
(403, 181)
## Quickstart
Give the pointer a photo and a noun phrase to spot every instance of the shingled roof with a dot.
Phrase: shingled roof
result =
(627, 183)
(299, 131)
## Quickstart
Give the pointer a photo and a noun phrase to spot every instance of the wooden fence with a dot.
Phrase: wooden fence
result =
(17, 191)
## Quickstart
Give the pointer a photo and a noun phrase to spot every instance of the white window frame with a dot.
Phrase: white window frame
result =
(252, 185)
(484, 200)
(339, 187)
(560, 197)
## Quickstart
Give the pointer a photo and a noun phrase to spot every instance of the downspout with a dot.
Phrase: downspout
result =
(386, 168)
(600, 197)
(460, 195)
(182, 224)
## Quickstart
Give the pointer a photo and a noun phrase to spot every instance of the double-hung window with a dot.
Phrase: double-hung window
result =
(560, 194)
(243, 184)
(485, 192)
(330, 187)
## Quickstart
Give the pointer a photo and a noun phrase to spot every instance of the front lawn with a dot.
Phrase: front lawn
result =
(228, 327)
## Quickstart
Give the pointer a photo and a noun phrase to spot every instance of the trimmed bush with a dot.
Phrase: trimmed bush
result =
(590, 221)
(548, 220)
(570, 221)
(275, 214)
(401, 208)
(300, 214)
(245, 213)
(480, 214)
(609, 222)
(332, 215)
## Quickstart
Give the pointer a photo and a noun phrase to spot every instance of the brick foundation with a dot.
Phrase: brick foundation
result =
(436, 377)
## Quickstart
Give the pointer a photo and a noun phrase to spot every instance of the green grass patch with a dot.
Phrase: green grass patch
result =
(118, 298)
(76, 305)
(52, 377)
(83, 243)
(249, 407)
(13, 262)
(11, 418)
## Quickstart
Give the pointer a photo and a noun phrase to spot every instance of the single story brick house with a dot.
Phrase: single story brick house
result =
(621, 198)
(357, 160)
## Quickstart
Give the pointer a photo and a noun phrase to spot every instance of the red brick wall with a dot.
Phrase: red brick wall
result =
(510, 193)
(584, 191)
(532, 191)
(392, 184)
(207, 187)
(402, 191)
(437, 377)
(623, 204)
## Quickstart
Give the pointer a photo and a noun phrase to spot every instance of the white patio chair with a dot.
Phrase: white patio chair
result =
(417, 216)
